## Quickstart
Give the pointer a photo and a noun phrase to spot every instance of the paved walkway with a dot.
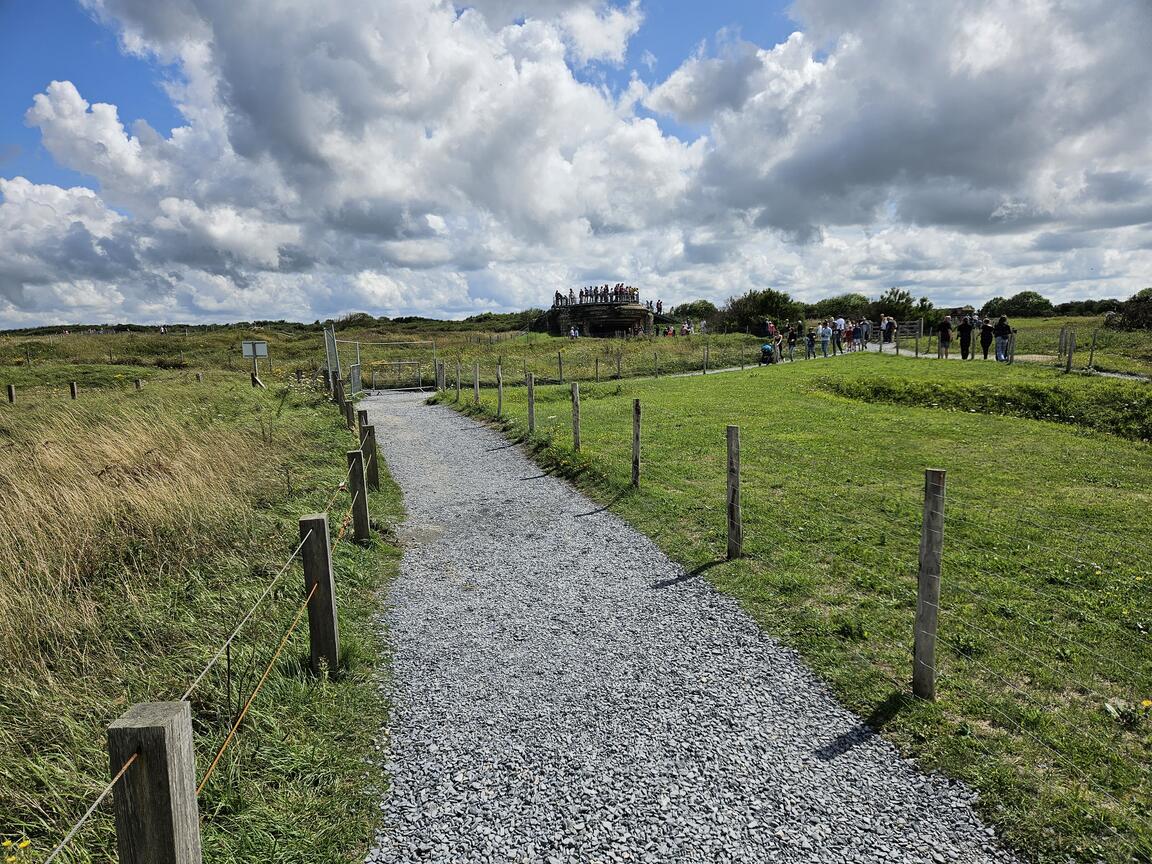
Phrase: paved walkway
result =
(563, 693)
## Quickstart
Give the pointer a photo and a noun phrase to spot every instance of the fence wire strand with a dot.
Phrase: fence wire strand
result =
(256, 690)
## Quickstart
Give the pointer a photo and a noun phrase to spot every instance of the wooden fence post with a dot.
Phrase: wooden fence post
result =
(361, 422)
(928, 586)
(11, 393)
(597, 370)
(560, 365)
(359, 492)
(1092, 349)
(576, 416)
(476, 383)
(635, 442)
(371, 456)
(139, 384)
(735, 518)
(299, 376)
(531, 402)
(157, 820)
(323, 626)
(350, 415)
(1071, 348)
(499, 391)
(72, 389)
(199, 377)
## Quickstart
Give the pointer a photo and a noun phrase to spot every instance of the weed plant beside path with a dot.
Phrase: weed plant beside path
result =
(139, 528)
(1045, 654)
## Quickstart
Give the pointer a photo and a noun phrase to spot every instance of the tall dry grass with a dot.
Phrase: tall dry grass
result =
(136, 527)
(88, 485)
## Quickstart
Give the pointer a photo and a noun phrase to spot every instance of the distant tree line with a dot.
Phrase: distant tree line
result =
(753, 308)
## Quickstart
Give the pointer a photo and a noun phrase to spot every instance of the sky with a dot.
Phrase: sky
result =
(220, 160)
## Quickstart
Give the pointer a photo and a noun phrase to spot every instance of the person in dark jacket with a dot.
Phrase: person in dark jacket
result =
(965, 332)
(944, 337)
(986, 336)
(1002, 331)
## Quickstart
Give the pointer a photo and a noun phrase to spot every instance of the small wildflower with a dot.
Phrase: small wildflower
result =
(23, 844)
(1147, 703)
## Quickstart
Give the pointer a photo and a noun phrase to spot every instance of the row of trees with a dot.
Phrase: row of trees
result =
(766, 304)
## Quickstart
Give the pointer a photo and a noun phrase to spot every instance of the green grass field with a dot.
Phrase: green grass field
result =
(140, 526)
(95, 359)
(1046, 623)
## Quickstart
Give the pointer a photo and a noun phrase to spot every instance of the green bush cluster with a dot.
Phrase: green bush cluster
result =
(1118, 408)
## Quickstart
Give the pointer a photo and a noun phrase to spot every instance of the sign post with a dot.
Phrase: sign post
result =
(255, 350)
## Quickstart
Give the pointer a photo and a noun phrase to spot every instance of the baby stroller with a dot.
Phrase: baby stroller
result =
(767, 353)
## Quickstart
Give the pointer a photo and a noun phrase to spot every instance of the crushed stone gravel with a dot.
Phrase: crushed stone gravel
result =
(551, 704)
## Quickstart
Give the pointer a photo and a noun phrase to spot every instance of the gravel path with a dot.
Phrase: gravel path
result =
(553, 704)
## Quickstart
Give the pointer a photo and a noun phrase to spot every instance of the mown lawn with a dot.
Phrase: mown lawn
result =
(1045, 655)
(139, 528)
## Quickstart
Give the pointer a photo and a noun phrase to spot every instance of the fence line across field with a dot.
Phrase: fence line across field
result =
(931, 612)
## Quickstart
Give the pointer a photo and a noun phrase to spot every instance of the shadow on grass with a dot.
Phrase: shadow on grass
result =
(867, 729)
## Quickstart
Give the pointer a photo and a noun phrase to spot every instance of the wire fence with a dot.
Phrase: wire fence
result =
(150, 753)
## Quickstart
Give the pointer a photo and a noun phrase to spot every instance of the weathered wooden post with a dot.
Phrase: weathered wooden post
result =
(323, 626)
(457, 380)
(1071, 347)
(531, 379)
(299, 376)
(597, 370)
(11, 393)
(476, 383)
(72, 389)
(735, 518)
(1092, 349)
(359, 491)
(157, 820)
(371, 456)
(361, 422)
(576, 416)
(139, 384)
(350, 416)
(928, 586)
(499, 391)
(635, 442)
(199, 377)
(560, 365)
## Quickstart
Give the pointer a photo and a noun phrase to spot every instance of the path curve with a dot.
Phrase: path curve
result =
(551, 704)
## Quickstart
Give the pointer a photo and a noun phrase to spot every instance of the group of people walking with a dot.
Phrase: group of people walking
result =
(999, 333)
(834, 336)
